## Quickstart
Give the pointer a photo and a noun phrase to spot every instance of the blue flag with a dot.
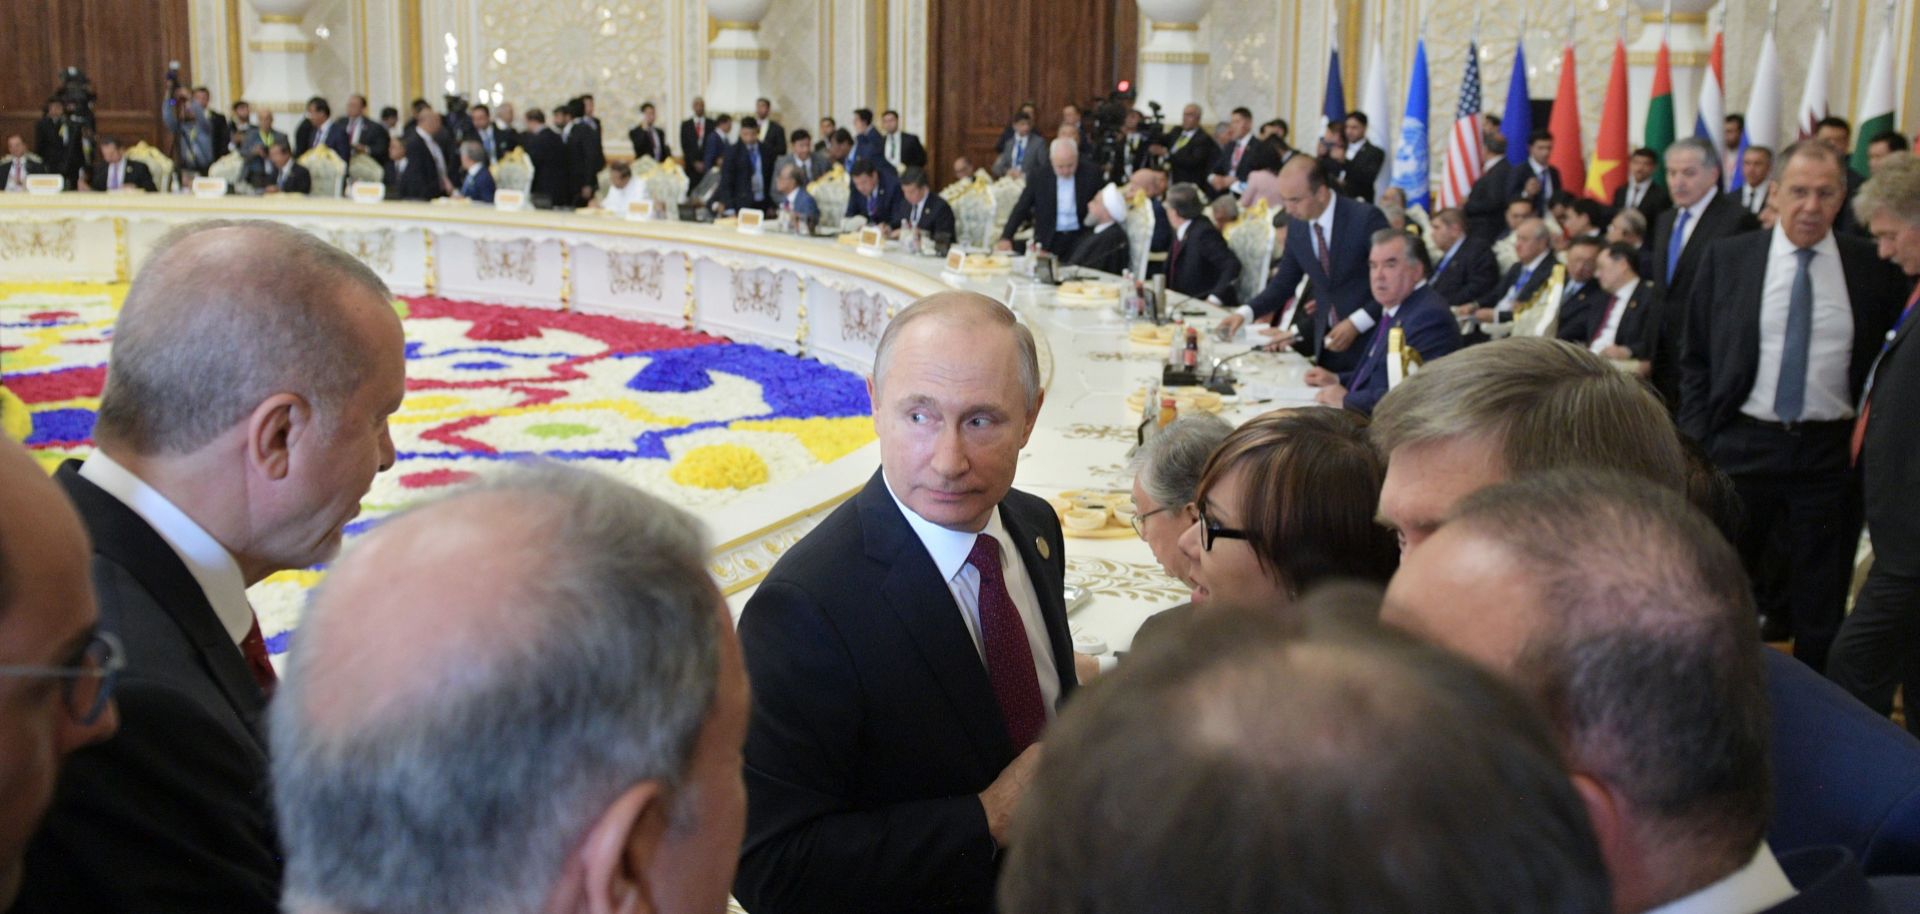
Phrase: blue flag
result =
(1336, 108)
(1516, 123)
(1410, 155)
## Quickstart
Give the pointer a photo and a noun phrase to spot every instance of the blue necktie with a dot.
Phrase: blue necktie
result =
(1365, 371)
(1790, 397)
(1442, 267)
(1674, 244)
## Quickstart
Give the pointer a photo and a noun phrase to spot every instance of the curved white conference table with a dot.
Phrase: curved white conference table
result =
(811, 296)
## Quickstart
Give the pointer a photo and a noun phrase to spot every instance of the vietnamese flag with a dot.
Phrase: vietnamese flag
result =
(1660, 113)
(1564, 124)
(1608, 173)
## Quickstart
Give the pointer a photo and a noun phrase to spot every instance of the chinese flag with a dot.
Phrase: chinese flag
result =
(1609, 170)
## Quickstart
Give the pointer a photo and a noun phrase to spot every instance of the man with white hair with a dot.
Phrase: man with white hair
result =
(1055, 205)
(1104, 247)
(592, 634)
(241, 424)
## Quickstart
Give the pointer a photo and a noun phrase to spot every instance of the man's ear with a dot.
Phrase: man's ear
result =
(273, 428)
(619, 848)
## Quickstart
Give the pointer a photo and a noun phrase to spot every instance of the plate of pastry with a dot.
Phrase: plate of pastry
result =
(1094, 514)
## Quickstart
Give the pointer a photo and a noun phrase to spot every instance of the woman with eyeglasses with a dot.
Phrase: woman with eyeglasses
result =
(1286, 502)
(1166, 471)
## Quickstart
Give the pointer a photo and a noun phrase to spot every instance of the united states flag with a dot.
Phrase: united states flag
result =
(1463, 148)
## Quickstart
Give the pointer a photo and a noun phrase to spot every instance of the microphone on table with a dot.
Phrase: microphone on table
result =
(1213, 377)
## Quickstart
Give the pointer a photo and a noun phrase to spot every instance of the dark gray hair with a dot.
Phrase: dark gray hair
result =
(1648, 657)
(1185, 200)
(199, 342)
(1169, 466)
(964, 306)
(472, 149)
(1708, 155)
(1253, 763)
(471, 798)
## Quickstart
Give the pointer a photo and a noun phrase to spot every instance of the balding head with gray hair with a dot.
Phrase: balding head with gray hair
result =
(494, 724)
(1168, 466)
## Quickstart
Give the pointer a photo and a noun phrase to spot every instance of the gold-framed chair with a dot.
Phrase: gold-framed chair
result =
(1250, 237)
(666, 182)
(1139, 225)
(1540, 315)
(229, 168)
(362, 168)
(830, 193)
(1006, 192)
(326, 169)
(1402, 359)
(158, 165)
(513, 171)
(973, 213)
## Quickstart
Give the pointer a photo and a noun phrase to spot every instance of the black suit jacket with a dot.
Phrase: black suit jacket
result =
(1340, 295)
(373, 135)
(1889, 472)
(936, 215)
(736, 178)
(411, 182)
(692, 144)
(1105, 251)
(585, 158)
(1357, 172)
(1039, 203)
(422, 170)
(551, 180)
(1535, 280)
(1722, 218)
(1652, 204)
(504, 140)
(1470, 275)
(913, 154)
(1587, 314)
(1517, 185)
(173, 812)
(135, 175)
(1192, 163)
(1722, 349)
(1205, 266)
(1828, 880)
(1486, 206)
(298, 180)
(644, 143)
(874, 724)
(773, 137)
(304, 137)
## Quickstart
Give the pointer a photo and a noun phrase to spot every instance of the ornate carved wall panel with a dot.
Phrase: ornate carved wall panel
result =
(541, 54)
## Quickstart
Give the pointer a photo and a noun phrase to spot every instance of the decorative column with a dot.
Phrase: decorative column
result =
(1689, 49)
(1173, 63)
(735, 57)
(277, 77)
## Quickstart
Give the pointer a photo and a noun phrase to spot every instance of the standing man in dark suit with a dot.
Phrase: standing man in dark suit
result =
(424, 153)
(867, 142)
(1486, 206)
(918, 207)
(1056, 204)
(1641, 191)
(1396, 266)
(693, 140)
(116, 171)
(1199, 263)
(494, 140)
(1467, 270)
(1701, 215)
(649, 141)
(314, 129)
(1756, 169)
(808, 161)
(773, 136)
(1238, 157)
(204, 482)
(358, 132)
(746, 178)
(908, 652)
(713, 153)
(1355, 163)
(902, 149)
(1618, 324)
(1013, 153)
(548, 155)
(585, 156)
(408, 178)
(1328, 241)
(1782, 329)
(1538, 180)
(1879, 644)
(1189, 149)
(873, 197)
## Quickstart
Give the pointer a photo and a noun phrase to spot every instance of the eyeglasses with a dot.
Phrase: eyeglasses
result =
(1210, 531)
(1140, 520)
(88, 682)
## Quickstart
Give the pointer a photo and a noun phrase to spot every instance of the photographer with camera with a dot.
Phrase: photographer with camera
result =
(193, 139)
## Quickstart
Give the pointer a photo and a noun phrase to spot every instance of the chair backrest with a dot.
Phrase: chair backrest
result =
(665, 181)
(1139, 225)
(324, 167)
(1006, 192)
(1250, 237)
(830, 193)
(973, 211)
(1402, 360)
(228, 167)
(362, 167)
(1539, 315)
(158, 165)
(513, 171)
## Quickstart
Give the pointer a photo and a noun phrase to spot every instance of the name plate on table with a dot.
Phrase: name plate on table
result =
(642, 210)
(367, 192)
(510, 200)
(871, 240)
(956, 261)
(750, 220)
(45, 184)
(209, 187)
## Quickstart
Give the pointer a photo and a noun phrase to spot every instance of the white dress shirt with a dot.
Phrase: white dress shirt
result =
(617, 197)
(1545, 177)
(949, 550)
(1638, 192)
(1754, 198)
(1753, 888)
(893, 150)
(211, 565)
(1693, 216)
(1066, 204)
(1610, 331)
(1830, 351)
(17, 174)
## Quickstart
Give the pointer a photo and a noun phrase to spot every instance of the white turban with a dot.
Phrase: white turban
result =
(1115, 200)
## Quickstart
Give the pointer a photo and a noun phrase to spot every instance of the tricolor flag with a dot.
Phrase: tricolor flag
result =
(1463, 147)
(1565, 124)
(1660, 112)
(1712, 116)
(1876, 108)
(1813, 96)
(1336, 104)
(1516, 123)
(1373, 100)
(1410, 156)
(1610, 148)
(1763, 106)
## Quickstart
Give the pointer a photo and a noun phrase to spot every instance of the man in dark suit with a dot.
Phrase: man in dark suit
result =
(548, 155)
(359, 133)
(1104, 246)
(1486, 206)
(495, 140)
(773, 136)
(18, 164)
(1756, 170)
(1046, 200)
(713, 152)
(408, 178)
(1238, 156)
(116, 171)
(1328, 241)
(1199, 263)
(649, 141)
(1467, 270)
(918, 207)
(1618, 323)
(1701, 215)
(1354, 163)
(1583, 290)
(1533, 266)
(1537, 179)
(1189, 149)
(1877, 646)
(810, 162)
(1396, 265)
(315, 129)
(284, 175)
(746, 178)
(1013, 153)
(872, 197)
(585, 155)
(693, 140)
(902, 149)
(867, 142)
(908, 652)
(1641, 191)
(476, 182)
(426, 156)
(1781, 331)
(55, 137)
(172, 814)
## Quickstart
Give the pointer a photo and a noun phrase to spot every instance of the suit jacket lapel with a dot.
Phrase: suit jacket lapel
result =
(124, 538)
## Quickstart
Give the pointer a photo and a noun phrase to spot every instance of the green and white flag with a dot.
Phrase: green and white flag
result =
(1876, 107)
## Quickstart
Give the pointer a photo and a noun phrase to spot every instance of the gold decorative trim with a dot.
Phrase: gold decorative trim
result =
(430, 275)
(121, 268)
(1686, 59)
(740, 54)
(1656, 18)
(1174, 26)
(1199, 58)
(280, 47)
(412, 33)
(235, 73)
(362, 61)
(278, 19)
(725, 24)
(881, 44)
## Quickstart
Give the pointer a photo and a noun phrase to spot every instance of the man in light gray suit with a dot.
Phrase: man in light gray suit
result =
(811, 163)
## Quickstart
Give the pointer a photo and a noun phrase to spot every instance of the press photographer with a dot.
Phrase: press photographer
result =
(193, 135)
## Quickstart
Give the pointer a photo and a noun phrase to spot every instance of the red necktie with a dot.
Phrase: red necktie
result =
(1173, 256)
(1009, 657)
(1326, 264)
(254, 649)
(1239, 149)
(1866, 401)
(1605, 316)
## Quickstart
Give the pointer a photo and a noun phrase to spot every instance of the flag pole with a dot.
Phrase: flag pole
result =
(1623, 22)
(1666, 22)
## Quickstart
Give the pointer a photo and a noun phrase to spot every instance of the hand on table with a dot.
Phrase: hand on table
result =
(1484, 315)
(1279, 340)
(1320, 377)
(1002, 797)
(1003, 245)
(1231, 324)
(1342, 335)
(1333, 395)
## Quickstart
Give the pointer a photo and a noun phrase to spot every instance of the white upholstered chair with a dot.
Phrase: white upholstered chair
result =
(1139, 226)
(1250, 237)
(230, 168)
(513, 171)
(363, 168)
(1006, 192)
(830, 193)
(667, 182)
(326, 169)
(158, 165)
